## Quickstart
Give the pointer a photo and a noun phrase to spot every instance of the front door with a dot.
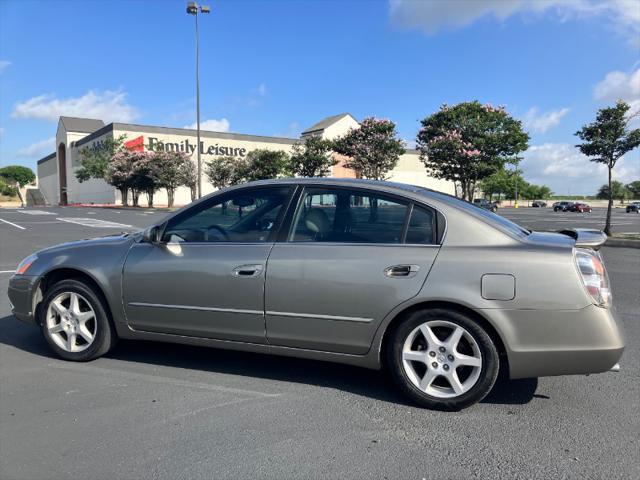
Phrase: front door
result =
(352, 256)
(206, 276)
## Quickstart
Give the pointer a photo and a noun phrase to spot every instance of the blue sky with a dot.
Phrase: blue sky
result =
(277, 67)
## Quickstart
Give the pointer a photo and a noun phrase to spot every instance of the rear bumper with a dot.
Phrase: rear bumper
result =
(543, 343)
(21, 294)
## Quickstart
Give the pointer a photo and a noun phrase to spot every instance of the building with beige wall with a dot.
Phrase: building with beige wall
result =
(58, 183)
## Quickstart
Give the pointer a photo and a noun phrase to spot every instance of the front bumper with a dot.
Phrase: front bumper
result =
(21, 292)
(543, 343)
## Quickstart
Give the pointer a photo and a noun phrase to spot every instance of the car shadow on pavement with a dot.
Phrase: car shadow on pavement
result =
(356, 380)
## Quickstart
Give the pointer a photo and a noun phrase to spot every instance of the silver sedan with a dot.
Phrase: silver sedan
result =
(440, 292)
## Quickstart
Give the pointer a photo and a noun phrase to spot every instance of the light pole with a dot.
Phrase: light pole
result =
(194, 9)
(516, 181)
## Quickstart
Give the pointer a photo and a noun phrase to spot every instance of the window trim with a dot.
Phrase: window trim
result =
(286, 231)
(218, 198)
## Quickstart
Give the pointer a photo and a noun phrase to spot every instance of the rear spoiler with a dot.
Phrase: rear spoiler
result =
(586, 238)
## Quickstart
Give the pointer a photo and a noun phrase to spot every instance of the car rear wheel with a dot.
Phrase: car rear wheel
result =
(75, 322)
(442, 359)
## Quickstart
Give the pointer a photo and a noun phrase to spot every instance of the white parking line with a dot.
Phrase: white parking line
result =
(35, 212)
(93, 222)
(7, 271)
(10, 223)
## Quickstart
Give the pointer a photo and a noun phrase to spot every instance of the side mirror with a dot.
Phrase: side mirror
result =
(151, 235)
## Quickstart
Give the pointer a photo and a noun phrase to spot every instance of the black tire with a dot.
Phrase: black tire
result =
(488, 370)
(105, 336)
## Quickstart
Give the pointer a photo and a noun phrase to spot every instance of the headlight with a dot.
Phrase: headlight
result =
(24, 265)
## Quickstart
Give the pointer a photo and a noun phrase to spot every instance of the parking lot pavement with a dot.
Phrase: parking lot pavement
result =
(547, 219)
(168, 411)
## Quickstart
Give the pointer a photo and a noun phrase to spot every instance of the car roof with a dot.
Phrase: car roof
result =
(381, 185)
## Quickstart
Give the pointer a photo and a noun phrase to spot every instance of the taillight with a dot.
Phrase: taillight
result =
(594, 276)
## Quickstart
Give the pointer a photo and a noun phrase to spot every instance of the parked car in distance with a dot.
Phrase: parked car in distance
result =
(486, 204)
(539, 204)
(366, 273)
(562, 206)
(580, 207)
(633, 207)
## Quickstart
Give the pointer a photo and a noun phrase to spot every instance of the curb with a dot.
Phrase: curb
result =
(622, 242)
(120, 207)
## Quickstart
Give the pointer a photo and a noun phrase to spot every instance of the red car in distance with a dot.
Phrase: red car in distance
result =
(580, 207)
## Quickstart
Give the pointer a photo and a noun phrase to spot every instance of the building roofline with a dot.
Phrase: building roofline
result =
(183, 131)
(98, 133)
(82, 125)
(326, 122)
(48, 157)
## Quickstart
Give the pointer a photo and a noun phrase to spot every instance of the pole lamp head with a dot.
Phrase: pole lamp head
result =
(205, 9)
(192, 8)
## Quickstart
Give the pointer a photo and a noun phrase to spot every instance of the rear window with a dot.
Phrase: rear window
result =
(487, 215)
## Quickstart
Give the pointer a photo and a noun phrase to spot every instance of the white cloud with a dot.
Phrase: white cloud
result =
(566, 170)
(4, 64)
(433, 15)
(255, 95)
(543, 121)
(39, 148)
(212, 125)
(618, 85)
(109, 105)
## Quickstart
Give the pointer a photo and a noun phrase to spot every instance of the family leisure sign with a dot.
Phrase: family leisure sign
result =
(138, 144)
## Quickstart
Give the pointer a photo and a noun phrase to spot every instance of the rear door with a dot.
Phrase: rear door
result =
(351, 256)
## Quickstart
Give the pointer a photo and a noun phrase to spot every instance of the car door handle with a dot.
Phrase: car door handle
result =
(401, 271)
(248, 270)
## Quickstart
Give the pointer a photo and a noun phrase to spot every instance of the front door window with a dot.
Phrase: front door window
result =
(245, 216)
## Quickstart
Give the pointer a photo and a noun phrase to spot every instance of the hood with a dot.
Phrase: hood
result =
(111, 239)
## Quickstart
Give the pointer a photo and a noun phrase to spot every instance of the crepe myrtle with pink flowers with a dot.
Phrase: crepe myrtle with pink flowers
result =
(468, 142)
(373, 149)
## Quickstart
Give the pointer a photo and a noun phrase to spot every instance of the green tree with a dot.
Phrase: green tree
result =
(189, 174)
(144, 176)
(262, 164)
(544, 192)
(468, 142)
(313, 158)
(95, 160)
(6, 189)
(120, 173)
(498, 183)
(171, 172)
(223, 172)
(619, 191)
(373, 149)
(634, 189)
(17, 177)
(606, 140)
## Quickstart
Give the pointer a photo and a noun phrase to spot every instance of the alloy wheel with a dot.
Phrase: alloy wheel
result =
(442, 359)
(71, 322)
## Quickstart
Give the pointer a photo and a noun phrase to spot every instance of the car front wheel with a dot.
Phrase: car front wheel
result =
(442, 359)
(75, 322)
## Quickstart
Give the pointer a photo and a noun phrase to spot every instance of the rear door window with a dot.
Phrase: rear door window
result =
(348, 216)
